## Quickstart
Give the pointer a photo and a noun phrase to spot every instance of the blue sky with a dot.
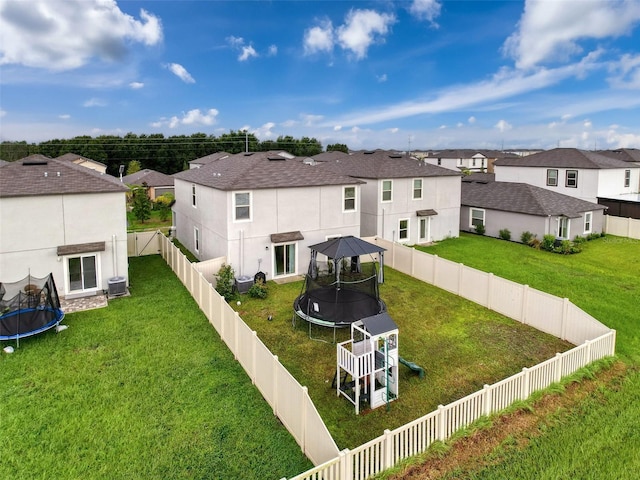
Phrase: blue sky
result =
(407, 74)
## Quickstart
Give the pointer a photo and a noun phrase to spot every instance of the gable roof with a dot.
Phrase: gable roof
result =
(72, 157)
(151, 177)
(522, 198)
(625, 154)
(209, 158)
(379, 164)
(563, 158)
(259, 170)
(40, 175)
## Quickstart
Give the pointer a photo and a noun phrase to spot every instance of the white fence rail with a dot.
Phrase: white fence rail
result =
(622, 227)
(545, 312)
(289, 400)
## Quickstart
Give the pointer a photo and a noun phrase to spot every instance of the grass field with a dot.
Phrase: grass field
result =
(143, 389)
(154, 223)
(590, 430)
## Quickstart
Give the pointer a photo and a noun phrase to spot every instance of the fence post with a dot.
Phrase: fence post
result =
(388, 450)
(558, 365)
(254, 363)
(587, 352)
(303, 418)
(525, 301)
(526, 388)
(486, 398)
(433, 270)
(275, 385)
(413, 270)
(236, 340)
(346, 471)
(565, 315)
(460, 270)
(489, 290)
(441, 424)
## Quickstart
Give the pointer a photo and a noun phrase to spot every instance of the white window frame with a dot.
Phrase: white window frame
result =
(471, 210)
(424, 228)
(407, 230)
(420, 188)
(567, 222)
(194, 198)
(573, 180)
(588, 222)
(383, 191)
(295, 260)
(627, 178)
(67, 279)
(354, 199)
(549, 178)
(196, 239)
(236, 206)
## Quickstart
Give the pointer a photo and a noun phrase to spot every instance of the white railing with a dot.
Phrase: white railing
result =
(622, 227)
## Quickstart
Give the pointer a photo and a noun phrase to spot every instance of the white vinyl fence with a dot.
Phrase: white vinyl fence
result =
(289, 400)
(143, 243)
(622, 227)
(545, 312)
(291, 403)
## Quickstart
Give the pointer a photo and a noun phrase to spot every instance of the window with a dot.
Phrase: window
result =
(477, 217)
(349, 195)
(242, 205)
(563, 227)
(439, 161)
(386, 190)
(572, 178)
(627, 178)
(193, 194)
(474, 162)
(285, 259)
(417, 188)
(552, 177)
(424, 229)
(588, 216)
(83, 273)
(196, 239)
(403, 229)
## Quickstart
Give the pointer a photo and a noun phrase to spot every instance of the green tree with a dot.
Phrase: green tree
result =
(133, 167)
(338, 147)
(141, 204)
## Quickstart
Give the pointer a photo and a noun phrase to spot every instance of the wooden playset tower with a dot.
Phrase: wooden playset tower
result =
(367, 365)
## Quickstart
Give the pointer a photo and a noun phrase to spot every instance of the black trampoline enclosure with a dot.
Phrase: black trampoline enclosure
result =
(347, 290)
(28, 307)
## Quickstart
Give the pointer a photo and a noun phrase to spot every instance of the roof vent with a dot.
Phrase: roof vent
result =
(395, 155)
(275, 158)
(35, 161)
(369, 152)
(247, 154)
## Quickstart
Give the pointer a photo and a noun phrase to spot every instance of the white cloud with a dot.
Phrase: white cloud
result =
(181, 72)
(94, 102)
(471, 120)
(550, 31)
(265, 131)
(425, 10)
(310, 120)
(337, 128)
(587, 124)
(193, 117)
(235, 41)
(382, 78)
(319, 38)
(136, 85)
(394, 130)
(272, 51)
(503, 126)
(67, 34)
(64, 116)
(626, 72)
(2, 113)
(247, 52)
(362, 28)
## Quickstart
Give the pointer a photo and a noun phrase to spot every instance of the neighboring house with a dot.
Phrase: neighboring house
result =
(463, 159)
(520, 207)
(201, 162)
(61, 218)
(156, 183)
(404, 199)
(262, 211)
(83, 161)
(624, 205)
(577, 173)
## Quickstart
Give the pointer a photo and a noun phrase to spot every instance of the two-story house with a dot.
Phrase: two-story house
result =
(467, 160)
(62, 218)
(403, 199)
(262, 210)
(578, 173)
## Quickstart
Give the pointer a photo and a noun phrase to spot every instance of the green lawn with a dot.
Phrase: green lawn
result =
(599, 438)
(153, 223)
(143, 389)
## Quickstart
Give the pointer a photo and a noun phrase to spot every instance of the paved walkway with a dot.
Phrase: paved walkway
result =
(85, 303)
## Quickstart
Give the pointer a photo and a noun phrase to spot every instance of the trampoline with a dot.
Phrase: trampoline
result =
(28, 307)
(347, 290)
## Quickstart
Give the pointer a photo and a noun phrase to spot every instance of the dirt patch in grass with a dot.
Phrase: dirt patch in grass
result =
(486, 446)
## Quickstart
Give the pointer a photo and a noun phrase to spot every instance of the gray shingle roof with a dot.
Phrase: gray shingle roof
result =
(151, 177)
(624, 154)
(522, 198)
(261, 170)
(564, 158)
(40, 175)
(209, 158)
(385, 164)
(72, 157)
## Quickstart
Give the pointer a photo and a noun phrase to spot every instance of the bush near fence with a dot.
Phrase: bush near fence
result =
(291, 403)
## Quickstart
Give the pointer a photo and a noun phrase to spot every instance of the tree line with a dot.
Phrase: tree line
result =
(157, 152)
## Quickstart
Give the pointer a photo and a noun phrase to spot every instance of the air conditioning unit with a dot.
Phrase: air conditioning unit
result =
(117, 286)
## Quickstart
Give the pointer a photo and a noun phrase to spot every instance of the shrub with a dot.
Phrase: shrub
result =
(548, 242)
(225, 285)
(579, 240)
(526, 237)
(565, 247)
(535, 243)
(258, 290)
(594, 235)
(505, 234)
(480, 229)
